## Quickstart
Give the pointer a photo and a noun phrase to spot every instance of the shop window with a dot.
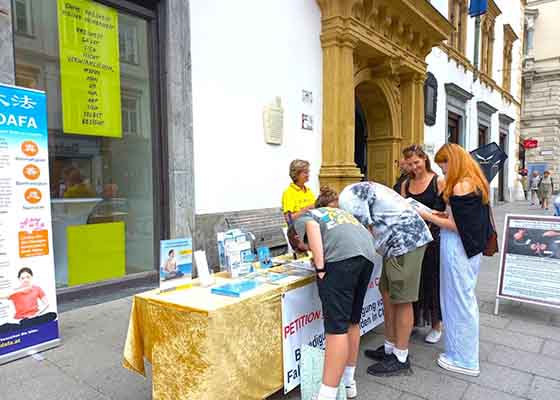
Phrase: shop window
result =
(458, 16)
(23, 17)
(430, 99)
(488, 37)
(102, 181)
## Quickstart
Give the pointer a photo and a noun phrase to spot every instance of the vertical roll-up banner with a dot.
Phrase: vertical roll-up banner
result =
(28, 315)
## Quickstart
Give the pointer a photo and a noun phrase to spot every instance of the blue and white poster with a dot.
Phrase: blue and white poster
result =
(175, 268)
(28, 314)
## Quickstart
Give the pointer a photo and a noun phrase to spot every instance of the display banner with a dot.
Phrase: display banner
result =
(175, 269)
(28, 318)
(89, 68)
(530, 264)
(302, 323)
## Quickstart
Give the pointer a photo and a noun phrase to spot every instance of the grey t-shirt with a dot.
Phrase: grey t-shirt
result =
(397, 228)
(343, 236)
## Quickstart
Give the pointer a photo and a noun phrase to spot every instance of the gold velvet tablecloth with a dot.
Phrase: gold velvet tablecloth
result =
(204, 346)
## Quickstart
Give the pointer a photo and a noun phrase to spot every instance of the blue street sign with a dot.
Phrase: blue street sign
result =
(478, 7)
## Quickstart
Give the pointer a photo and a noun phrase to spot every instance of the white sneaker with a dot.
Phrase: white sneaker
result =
(351, 391)
(446, 364)
(433, 337)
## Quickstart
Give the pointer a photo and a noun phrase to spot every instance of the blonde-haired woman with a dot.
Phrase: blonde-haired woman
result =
(465, 231)
(297, 198)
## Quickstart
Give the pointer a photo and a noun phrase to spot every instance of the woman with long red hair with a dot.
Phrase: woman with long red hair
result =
(465, 230)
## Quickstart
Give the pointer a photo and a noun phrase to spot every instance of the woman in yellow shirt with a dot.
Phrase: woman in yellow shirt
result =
(297, 198)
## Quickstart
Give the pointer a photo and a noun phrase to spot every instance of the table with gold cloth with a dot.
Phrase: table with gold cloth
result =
(205, 346)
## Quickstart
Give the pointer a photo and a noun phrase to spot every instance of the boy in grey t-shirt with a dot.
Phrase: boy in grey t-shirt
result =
(343, 255)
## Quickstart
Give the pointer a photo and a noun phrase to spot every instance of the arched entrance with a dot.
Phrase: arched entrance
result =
(373, 51)
(360, 140)
(382, 134)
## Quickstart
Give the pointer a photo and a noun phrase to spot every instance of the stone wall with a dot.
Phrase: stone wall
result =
(541, 116)
(178, 93)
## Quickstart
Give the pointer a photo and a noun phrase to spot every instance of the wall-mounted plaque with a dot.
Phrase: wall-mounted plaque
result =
(307, 122)
(273, 117)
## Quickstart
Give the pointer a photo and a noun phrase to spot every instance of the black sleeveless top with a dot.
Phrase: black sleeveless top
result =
(429, 197)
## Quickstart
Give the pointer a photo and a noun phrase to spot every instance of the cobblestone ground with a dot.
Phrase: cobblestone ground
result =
(520, 353)
(519, 350)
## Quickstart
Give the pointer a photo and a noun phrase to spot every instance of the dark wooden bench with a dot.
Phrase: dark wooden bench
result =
(266, 224)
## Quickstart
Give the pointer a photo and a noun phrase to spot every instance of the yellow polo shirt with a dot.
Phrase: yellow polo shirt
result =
(295, 198)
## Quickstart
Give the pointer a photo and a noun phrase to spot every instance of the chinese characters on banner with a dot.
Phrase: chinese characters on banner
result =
(28, 318)
(302, 322)
(89, 68)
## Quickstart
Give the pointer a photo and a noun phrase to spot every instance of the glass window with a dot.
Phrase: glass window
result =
(23, 17)
(101, 187)
(128, 41)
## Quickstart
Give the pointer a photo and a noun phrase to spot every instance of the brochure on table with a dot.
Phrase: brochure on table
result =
(175, 270)
(28, 312)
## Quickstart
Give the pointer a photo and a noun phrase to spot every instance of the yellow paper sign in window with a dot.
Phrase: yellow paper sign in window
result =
(89, 68)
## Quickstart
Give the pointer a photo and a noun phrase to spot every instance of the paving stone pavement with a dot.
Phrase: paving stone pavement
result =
(520, 355)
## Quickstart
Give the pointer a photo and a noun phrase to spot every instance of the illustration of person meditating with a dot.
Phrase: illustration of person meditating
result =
(170, 270)
(30, 303)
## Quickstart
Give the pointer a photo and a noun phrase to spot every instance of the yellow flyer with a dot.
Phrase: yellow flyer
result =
(89, 68)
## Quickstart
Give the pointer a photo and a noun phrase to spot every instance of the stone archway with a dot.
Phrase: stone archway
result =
(383, 130)
(374, 49)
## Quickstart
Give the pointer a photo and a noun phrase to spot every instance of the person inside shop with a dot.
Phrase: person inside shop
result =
(401, 236)
(465, 231)
(404, 169)
(343, 256)
(75, 185)
(545, 189)
(425, 186)
(297, 198)
(30, 303)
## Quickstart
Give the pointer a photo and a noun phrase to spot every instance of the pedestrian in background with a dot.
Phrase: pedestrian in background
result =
(465, 231)
(424, 186)
(534, 181)
(525, 182)
(403, 170)
(546, 187)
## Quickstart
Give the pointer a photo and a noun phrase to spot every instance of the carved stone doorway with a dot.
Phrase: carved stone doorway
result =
(374, 50)
(380, 143)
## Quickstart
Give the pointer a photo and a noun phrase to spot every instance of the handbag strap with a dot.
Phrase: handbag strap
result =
(492, 217)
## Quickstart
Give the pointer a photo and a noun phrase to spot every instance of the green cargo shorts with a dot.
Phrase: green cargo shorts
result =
(401, 276)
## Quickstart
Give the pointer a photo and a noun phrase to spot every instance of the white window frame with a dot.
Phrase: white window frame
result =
(137, 101)
(28, 17)
(130, 33)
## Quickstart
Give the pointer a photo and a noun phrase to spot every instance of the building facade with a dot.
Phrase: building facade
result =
(216, 99)
(541, 77)
(129, 186)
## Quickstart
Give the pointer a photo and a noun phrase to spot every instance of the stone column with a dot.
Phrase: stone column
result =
(338, 168)
(7, 73)
(412, 98)
(178, 91)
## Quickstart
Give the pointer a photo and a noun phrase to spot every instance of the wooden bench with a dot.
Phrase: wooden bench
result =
(266, 224)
